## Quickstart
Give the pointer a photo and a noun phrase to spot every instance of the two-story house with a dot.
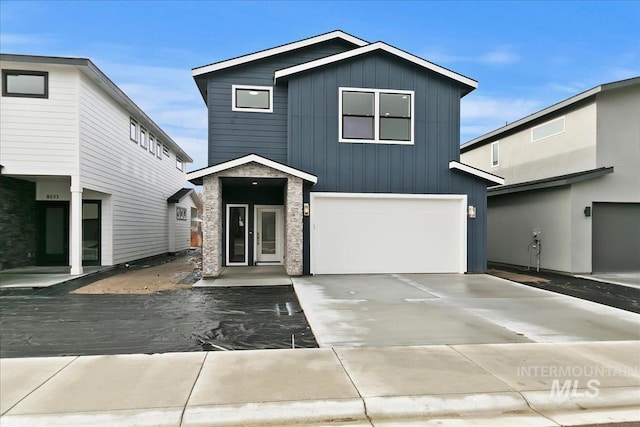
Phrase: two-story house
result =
(335, 155)
(572, 173)
(87, 178)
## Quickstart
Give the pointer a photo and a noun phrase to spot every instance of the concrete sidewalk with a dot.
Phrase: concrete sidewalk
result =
(489, 384)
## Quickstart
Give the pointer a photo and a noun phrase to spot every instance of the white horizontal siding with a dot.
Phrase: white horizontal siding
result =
(183, 228)
(138, 181)
(40, 136)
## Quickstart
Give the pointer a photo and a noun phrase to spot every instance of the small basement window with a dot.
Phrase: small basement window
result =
(25, 84)
(257, 99)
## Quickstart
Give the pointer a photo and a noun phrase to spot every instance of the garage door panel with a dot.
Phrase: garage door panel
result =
(387, 235)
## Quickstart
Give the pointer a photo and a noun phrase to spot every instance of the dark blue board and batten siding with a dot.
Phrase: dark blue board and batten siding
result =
(234, 134)
(421, 168)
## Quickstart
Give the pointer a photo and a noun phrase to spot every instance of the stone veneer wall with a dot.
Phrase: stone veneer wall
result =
(212, 218)
(17, 223)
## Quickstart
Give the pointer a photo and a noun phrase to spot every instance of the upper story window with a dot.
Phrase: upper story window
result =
(545, 130)
(376, 116)
(152, 144)
(257, 99)
(179, 164)
(143, 137)
(495, 154)
(165, 150)
(25, 84)
(133, 130)
(159, 150)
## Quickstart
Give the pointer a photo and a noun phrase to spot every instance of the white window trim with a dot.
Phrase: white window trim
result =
(546, 123)
(252, 110)
(137, 132)
(376, 116)
(144, 137)
(497, 163)
(152, 144)
(181, 168)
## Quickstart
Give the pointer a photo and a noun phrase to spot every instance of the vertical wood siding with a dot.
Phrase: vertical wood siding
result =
(381, 168)
(234, 134)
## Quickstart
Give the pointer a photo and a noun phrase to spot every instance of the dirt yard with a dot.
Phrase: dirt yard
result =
(147, 279)
(517, 277)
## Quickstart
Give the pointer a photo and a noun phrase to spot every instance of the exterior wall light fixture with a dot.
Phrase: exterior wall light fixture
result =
(305, 209)
(471, 211)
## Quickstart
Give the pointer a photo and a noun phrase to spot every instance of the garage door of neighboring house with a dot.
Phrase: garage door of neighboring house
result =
(388, 233)
(616, 237)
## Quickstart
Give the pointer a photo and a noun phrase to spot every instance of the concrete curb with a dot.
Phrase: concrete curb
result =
(169, 417)
(276, 413)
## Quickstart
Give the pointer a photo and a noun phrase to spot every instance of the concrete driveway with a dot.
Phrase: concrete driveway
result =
(425, 309)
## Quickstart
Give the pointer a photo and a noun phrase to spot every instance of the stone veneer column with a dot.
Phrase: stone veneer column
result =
(211, 227)
(293, 227)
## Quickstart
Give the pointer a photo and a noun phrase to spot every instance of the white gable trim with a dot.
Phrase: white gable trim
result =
(477, 172)
(248, 159)
(369, 48)
(277, 50)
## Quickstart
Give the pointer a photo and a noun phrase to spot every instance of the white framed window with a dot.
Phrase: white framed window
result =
(257, 99)
(133, 131)
(152, 144)
(545, 130)
(165, 150)
(159, 149)
(179, 164)
(495, 154)
(143, 137)
(25, 84)
(379, 116)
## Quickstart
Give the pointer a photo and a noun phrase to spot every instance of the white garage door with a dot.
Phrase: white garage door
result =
(388, 233)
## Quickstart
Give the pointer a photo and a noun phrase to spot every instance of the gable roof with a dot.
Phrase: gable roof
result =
(378, 46)
(496, 134)
(554, 181)
(89, 69)
(179, 195)
(337, 34)
(489, 177)
(195, 176)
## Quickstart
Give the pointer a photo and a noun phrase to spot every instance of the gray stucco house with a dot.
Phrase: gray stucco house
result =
(334, 155)
(572, 172)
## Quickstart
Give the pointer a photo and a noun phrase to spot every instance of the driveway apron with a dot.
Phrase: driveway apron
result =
(429, 309)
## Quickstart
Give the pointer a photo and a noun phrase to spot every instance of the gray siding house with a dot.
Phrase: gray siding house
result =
(332, 155)
(572, 173)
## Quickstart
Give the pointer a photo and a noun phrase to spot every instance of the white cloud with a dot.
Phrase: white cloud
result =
(483, 114)
(499, 57)
(17, 43)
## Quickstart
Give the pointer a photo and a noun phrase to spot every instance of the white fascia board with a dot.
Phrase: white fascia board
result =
(277, 50)
(248, 159)
(477, 172)
(369, 48)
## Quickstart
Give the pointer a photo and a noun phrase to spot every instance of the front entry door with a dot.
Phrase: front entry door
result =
(237, 233)
(269, 235)
(53, 233)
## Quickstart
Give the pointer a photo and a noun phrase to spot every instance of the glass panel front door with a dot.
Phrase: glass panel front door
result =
(269, 234)
(237, 234)
(53, 234)
(91, 232)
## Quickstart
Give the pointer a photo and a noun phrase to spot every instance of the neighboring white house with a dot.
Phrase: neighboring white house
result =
(572, 172)
(87, 176)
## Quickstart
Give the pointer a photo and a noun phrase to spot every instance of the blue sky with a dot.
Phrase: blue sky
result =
(525, 55)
